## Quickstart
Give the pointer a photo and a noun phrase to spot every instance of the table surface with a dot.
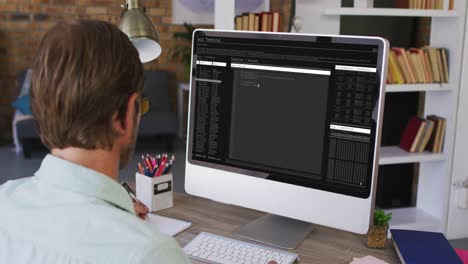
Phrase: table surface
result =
(323, 245)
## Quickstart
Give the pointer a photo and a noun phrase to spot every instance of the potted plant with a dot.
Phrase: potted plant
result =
(184, 52)
(377, 235)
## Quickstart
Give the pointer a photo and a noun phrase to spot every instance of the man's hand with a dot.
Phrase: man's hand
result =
(140, 210)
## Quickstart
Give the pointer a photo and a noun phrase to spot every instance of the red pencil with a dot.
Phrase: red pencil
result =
(160, 169)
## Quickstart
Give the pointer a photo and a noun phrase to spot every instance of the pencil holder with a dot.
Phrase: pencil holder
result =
(155, 192)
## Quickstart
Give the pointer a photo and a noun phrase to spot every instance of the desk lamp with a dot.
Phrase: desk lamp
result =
(140, 30)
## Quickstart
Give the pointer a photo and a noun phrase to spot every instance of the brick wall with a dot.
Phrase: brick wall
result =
(24, 22)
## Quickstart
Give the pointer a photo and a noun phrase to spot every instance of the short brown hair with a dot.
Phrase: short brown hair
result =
(84, 72)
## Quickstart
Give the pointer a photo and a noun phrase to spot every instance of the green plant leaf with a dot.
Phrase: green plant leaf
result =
(381, 218)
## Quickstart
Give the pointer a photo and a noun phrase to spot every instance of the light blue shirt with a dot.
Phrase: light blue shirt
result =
(67, 213)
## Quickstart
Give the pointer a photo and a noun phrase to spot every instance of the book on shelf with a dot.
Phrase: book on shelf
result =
(395, 74)
(423, 4)
(417, 65)
(411, 133)
(424, 134)
(275, 27)
(238, 23)
(422, 144)
(256, 22)
(245, 21)
(251, 17)
(265, 21)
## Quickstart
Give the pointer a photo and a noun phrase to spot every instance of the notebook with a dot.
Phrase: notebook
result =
(414, 247)
(166, 225)
(367, 260)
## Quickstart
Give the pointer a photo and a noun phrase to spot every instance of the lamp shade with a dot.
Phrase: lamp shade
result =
(141, 32)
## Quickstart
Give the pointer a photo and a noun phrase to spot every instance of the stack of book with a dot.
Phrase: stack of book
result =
(265, 21)
(423, 4)
(424, 65)
(424, 134)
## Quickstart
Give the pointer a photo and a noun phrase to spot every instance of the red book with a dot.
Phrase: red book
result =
(410, 134)
(402, 3)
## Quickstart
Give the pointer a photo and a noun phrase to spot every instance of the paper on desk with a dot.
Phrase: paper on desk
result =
(166, 225)
(367, 260)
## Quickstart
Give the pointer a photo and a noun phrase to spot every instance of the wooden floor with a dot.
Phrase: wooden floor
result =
(323, 245)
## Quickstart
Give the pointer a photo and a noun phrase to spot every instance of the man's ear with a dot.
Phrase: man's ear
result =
(125, 121)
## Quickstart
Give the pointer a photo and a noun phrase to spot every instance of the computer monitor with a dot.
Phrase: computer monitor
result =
(287, 124)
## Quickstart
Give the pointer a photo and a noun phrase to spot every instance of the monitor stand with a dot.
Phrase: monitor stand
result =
(275, 230)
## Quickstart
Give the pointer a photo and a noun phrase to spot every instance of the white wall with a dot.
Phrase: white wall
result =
(314, 20)
(458, 218)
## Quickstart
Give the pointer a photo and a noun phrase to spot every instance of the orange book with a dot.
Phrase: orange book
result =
(403, 63)
(264, 21)
(430, 4)
(411, 66)
(269, 22)
(424, 64)
(427, 66)
(419, 71)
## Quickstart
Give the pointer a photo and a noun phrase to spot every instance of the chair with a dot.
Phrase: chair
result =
(159, 121)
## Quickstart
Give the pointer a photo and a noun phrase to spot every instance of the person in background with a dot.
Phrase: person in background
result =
(87, 82)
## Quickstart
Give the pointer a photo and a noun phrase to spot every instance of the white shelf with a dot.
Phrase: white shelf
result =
(351, 11)
(413, 218)
(396, 155)
(418, 87)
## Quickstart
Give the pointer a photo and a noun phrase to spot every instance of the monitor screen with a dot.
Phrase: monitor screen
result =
(294, 109)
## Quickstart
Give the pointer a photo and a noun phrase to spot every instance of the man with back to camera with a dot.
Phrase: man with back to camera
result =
(86, 98)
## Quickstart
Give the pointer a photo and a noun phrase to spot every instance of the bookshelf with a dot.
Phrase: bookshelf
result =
(415, 218)
(435, 169)
(418, 87)
(395, 155)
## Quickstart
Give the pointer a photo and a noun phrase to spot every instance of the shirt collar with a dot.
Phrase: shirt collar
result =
(76, 178)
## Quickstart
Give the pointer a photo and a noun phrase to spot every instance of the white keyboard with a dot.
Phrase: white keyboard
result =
(211, 248)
